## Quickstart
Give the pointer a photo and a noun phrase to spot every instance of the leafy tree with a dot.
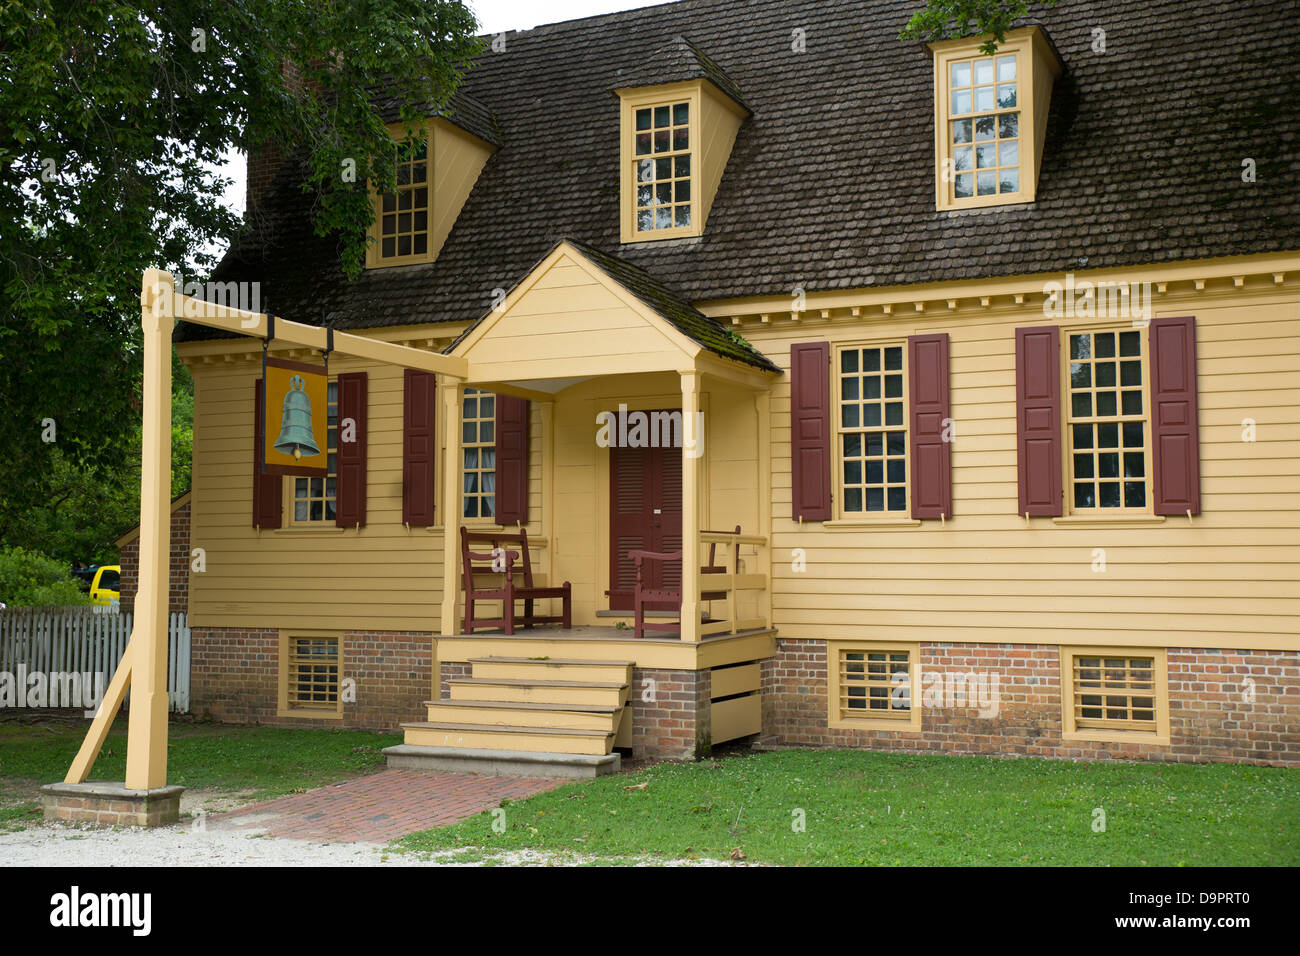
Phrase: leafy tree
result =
(28, 579)
(114, 115)
(950, 19)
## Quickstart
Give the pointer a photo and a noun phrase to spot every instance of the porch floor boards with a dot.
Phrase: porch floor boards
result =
(598, 632)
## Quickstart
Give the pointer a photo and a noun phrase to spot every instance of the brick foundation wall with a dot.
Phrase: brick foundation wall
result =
(234, 677)
(178, 598)
(674, 723)
(1210, 717)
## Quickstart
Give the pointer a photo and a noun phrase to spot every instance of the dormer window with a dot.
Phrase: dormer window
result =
(436, 171)
(669, 168)
(663, 167)
(990, 119)
(404, 216)
(985, 127)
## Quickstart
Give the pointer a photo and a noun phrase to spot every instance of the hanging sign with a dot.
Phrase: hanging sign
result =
(296, 419)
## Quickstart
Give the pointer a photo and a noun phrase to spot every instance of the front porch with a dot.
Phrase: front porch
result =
(562, 702)
(580, 348)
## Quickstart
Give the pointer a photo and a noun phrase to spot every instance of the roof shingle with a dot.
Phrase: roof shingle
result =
(830, 184)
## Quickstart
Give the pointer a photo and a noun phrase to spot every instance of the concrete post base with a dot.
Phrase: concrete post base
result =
(105, 803)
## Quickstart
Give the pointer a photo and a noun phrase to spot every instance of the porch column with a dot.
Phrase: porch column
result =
(146, 746)
(453, 391)
(692, 454)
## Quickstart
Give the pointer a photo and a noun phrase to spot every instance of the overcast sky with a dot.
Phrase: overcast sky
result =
(494, 16)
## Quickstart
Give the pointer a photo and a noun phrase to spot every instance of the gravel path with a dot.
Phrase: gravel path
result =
(57, 845)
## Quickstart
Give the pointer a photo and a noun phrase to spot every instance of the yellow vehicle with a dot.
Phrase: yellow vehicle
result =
(104, 588)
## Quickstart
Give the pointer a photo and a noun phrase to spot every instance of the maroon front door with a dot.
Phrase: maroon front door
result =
(645, 505)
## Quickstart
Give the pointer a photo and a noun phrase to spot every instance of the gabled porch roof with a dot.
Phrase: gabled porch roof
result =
(580, 313)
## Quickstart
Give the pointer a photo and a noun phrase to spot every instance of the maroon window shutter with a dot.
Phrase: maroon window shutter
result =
(927, 369)
(420, 405)
(810, 431)
(1175, 446)
(512, 460)
(350, 489)
(267, 510)
(1038, 420)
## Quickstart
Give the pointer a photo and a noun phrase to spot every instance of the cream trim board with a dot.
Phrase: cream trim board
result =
(282, 680)
(1158, 735)
(908, 723)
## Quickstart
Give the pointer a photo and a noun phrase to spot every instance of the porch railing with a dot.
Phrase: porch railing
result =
(745, 579)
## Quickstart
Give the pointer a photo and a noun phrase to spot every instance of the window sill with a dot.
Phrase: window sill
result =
(1118, 737)
(1111, 521)
(856, 524)
(310, 714)
(307, 529)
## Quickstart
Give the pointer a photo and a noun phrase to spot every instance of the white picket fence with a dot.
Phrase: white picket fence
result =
(84, 640)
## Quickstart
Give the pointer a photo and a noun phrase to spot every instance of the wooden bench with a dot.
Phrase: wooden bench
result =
(500, 560)
(643, 594)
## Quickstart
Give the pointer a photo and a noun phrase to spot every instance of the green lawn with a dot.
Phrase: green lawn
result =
(886, 809)
(267, 761)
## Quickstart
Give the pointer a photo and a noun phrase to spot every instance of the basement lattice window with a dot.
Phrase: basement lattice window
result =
(1115, 693)
(875, 684)
(311, 675)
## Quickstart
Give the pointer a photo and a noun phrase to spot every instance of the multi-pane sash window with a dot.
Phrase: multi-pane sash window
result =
(662, 150)
(313, 498)
(1114, 693)
(404, 215)
(875, 683)
(1107, 420)
(984, 126)
(873, 430)
(478, 439)
(313, 673)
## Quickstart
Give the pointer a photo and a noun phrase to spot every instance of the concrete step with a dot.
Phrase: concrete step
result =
(466, 736)
(516, 714)
(601, 693)
(506, 763)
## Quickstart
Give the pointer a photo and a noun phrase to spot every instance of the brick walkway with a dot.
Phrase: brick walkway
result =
(379, 807)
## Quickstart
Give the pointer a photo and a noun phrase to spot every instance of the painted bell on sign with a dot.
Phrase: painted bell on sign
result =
(295, 427)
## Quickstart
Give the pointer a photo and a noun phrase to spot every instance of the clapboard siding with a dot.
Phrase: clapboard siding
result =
(1228, 577)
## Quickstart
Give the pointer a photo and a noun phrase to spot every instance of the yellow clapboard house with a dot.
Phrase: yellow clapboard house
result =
(960, 391)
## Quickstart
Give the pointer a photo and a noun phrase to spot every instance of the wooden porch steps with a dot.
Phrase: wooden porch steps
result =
(607, 693)
(565, 712)
(548, 716)
(507, 738)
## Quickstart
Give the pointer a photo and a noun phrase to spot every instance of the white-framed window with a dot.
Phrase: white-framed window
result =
(871, 429)
(478, 446)
(1107, 421)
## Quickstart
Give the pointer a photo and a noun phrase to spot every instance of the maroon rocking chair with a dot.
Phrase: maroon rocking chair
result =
(644, 594)
(499, 560)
